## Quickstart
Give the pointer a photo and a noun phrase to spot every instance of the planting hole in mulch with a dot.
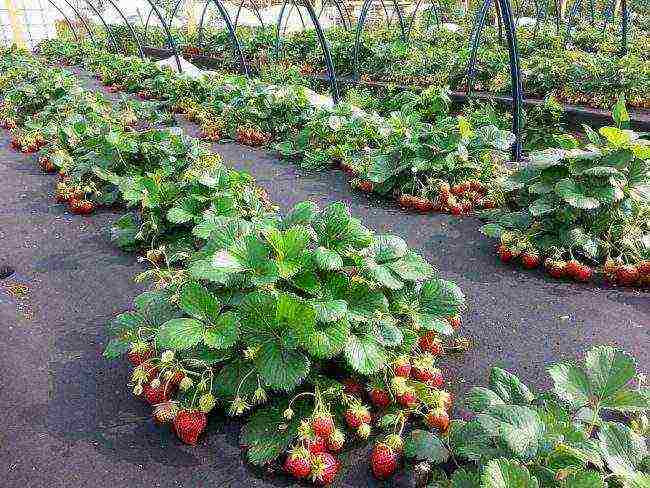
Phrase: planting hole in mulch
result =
(6, 272)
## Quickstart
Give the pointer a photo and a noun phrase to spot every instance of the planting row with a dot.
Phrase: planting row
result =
(323, 332)
(587, 71)
(580, 206)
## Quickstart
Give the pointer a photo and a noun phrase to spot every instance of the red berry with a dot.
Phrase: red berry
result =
(408, 399)
(505, 254)
(455, 321)
(189, 424)
(139, 354)
(627, 274)
(298, 463)
(583, 273)
(572, 268)
(322, 425)
(316, 444)
(427, 339)
(402, 368)
(379, 398)
(352, 387)
(383, 461)
(530, 259)
(438, 419)
(556, 268)
(436, 380)
(325, 467)
(158, 394)
(357, 415)
(422, 375)
(456, 209)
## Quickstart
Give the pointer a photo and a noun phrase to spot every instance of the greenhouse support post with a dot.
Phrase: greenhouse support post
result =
(19, 38)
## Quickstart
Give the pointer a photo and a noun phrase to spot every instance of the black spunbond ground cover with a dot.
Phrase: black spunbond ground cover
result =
(70, 421)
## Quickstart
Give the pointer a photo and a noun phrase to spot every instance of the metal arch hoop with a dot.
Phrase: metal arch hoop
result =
(65, 17)
(345, 18)
(172, 44)
(231, 32)
(360, 24)
(331, 73)
(624, 26)
(434, 7)
(255, 9)
(505, 10)
(173, 14)
(479, 23)
(109, 34)
(83, 22)
(569, 22)
(515, 75)
(129, 27)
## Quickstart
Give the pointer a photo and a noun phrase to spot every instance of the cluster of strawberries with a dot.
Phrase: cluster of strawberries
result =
(250, 136)
(614, 271)
(319, 440)
(65, 192)
(28, 143)
(156, 381)
(211, 131)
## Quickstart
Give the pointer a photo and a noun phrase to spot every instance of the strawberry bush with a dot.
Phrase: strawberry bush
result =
(581, 206)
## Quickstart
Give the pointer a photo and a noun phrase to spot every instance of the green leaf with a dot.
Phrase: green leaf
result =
(571, 384)
(281, 369)
(329, 339)
(492, 230)
(223, 332)
(388, 248)
(412, 267)
(198, 302)
(480, 399)
(609, 370)
(301, 214)
(469, 440)
(622, 448)
(505, 473)
(619, 113)
(585, 479)
(509, 387)
(463, 478)
(441, 298)
(573, 194)
(615, 136)
(637, 480)
(364, 354)
(425, 446)
(179, 334)
(519, 427)
(115, 348)
(327, 260)
(331, 310)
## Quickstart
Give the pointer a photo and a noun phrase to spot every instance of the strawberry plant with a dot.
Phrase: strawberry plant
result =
(591, 430)
(581, 206)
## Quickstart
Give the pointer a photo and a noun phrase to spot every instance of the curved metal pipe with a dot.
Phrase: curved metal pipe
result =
(82, 20)
(172, 44)
(129, 26)
(357, 36)
(515, 75)
(479, 23)
(231, 32)
(569, 22)
(65, 17)
(109, 34)
(255, 9)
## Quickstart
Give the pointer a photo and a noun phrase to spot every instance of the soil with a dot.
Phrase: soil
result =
(69, 421)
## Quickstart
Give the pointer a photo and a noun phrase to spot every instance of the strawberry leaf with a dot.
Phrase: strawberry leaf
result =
(179, 334)
(504, 473)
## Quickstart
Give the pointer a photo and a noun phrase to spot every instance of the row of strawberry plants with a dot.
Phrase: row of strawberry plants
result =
(253, 310)
(257, 305)
(430, 161)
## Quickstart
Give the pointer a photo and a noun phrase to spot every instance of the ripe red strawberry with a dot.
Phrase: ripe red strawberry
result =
(455, 321)
(324, 468)
(383, 461)
(298, 463)
(436, 380)
(423, 204)
(457, 189)
(364, 185)
(322, 425)
(379, 398)
(582, 273)
(407, 398)
(530, 259)
(81, 207)
(158, 394)
(335, 441)
(352, 387)
(402, 367)
(176, 378)
(488, 204)
(438, 419)
(572, 267)
(505, 254)
(46, 164)
(627, 274)
(476, 185)
(315, 444)
(356, 415)
(555, 267)
(139, 353)
(189, 424)
(456, 209)
(644, 272)
(427, 339)
(407, 201)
